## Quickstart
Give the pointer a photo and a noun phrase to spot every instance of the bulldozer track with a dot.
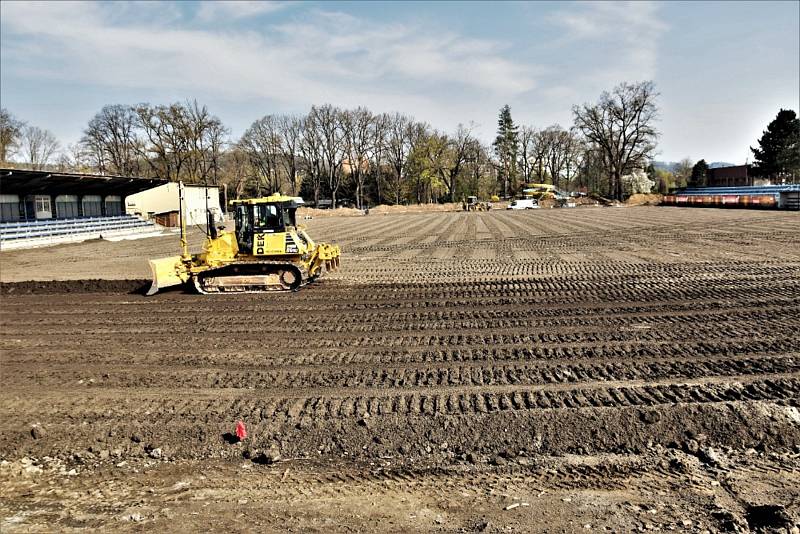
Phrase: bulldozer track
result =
(452, 327)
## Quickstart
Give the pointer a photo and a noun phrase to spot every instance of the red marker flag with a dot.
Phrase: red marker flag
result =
(241, 431)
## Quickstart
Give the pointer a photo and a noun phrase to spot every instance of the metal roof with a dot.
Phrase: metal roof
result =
(28, 182)
(742, 190)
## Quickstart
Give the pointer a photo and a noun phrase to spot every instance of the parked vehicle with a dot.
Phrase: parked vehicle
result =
(523, 204)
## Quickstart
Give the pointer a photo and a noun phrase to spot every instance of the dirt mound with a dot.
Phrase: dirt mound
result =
(642, 199)
(417, 208)
(338, 212)
(587, 201)
(74, 286)
(383, 209)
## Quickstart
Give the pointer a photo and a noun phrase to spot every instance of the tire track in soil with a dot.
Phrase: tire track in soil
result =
(621, 345)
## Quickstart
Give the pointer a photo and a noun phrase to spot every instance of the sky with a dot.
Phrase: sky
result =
(723, 69)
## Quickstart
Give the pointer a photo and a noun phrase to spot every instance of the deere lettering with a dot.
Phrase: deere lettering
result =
(259, 243)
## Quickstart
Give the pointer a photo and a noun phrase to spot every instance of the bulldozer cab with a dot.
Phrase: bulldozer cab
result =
(262, 222)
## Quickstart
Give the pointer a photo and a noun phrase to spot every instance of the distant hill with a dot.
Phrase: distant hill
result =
(665, 165)
(672, 165)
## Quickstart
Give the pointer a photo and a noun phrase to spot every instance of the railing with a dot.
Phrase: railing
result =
(57, 222)
(62, 227)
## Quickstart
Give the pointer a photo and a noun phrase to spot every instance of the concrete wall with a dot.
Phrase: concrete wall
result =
(165, 198)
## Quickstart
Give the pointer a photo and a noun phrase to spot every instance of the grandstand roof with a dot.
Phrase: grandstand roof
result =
(27, 182)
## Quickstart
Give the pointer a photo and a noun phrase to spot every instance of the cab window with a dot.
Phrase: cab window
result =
(267, 217)
(243, 222)
(289, 217)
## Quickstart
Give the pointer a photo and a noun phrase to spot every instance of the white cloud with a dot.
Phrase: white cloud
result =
(627, 34)
(219, 10)
(323, 57)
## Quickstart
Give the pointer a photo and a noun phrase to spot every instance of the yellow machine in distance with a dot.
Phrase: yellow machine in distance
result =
(539, 191)
(268, 251)
(471, 204)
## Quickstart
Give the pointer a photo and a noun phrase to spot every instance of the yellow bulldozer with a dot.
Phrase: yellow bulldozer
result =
(267, 251)
(471, 204)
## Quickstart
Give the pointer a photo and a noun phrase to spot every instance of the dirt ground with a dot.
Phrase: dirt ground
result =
(592, 369)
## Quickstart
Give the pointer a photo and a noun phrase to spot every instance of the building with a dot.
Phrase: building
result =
(163, 201)
(735, 176)
(766, 196)
(27, 195)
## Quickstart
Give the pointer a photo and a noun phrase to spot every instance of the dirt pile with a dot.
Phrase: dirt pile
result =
(417, 208)
(382, 209)
(302, 213)
(74, 286)
(642, 199)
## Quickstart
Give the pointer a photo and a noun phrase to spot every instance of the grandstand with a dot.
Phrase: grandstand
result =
(39, 208)
(29, 234)
(764, 196)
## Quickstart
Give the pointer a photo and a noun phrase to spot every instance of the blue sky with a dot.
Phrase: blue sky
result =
(723, 68)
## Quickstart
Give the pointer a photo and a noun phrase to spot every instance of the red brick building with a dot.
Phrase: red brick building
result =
(736, 176)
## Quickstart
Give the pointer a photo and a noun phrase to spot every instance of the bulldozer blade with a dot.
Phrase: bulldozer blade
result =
(167, 272)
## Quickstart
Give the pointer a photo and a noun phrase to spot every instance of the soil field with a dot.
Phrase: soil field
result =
(594, 369)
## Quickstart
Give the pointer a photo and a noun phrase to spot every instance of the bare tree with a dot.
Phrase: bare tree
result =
(217, 138)
(236, 171)
(111, 139)
(621, 124)
(459, 149)
(555, 139)
(39, 146)
(593, 169)
(683, 171)
(329, 128)
(205, 137)
(574, 150)
(399, 146)
(478, 170)
(357, 125)
(290, 131)
(539, 149)
(379, 132)
(261, 143)
(527, 159)
(166, 148)
(176, 142)
(311, 149)
(11, 131)
(74, 158)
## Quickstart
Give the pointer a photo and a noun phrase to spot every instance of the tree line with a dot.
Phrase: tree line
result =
(360, 156)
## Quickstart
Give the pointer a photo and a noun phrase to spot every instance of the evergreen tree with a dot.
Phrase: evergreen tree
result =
(778, 152)
(506, 146)
(699, 174)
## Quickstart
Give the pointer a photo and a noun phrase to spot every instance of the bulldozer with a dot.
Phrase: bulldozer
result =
(267, 251)
(471, 204)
